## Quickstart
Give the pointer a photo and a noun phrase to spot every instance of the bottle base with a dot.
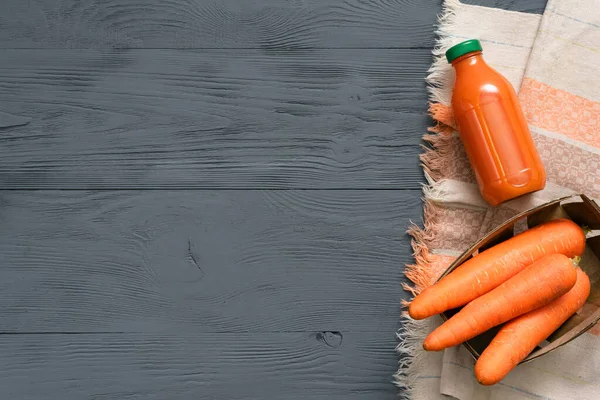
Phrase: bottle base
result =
(512, 187)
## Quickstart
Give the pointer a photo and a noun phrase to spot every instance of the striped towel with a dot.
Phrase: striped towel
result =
(553, 61)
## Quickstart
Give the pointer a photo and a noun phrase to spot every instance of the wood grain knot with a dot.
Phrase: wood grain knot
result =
(331, 339)
(194, 259)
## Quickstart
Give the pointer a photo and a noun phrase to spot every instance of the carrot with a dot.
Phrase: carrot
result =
(496, 265)
(517, 338)
(537, 285)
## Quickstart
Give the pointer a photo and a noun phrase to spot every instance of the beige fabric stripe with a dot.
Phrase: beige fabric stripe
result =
(569, 166)
(454, 228)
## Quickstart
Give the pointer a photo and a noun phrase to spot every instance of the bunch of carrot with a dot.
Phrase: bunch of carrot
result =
(528, 283)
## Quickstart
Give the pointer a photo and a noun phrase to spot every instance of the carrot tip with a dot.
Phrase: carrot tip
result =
(483, 377)
(414, 313)
(428, 346)
(485, 383)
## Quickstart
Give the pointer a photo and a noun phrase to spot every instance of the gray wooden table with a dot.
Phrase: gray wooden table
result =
(207, 199)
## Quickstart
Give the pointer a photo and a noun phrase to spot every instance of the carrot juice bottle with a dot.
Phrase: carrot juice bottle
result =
(492, 128)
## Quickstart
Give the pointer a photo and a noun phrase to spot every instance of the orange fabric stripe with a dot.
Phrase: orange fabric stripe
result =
(561, 112)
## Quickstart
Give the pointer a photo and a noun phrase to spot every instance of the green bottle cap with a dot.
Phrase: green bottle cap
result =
(463, 48)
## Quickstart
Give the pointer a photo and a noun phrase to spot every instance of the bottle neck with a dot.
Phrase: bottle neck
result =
(468, 60)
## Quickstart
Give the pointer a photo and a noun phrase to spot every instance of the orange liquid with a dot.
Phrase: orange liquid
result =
(494, 132)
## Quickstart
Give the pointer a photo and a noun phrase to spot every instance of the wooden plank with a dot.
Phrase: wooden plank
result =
(266, 24)
(203, 261)
(528, 6)
(190, 365)
(213, 119)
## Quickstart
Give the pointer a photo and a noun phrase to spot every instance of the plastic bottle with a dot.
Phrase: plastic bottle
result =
(492, 128)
